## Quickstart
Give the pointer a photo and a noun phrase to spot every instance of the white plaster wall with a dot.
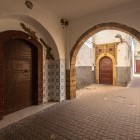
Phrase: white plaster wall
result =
(122, 55)
(84, 56)
(127, 14)
(16, 9)
(136, 47)
(108, 36)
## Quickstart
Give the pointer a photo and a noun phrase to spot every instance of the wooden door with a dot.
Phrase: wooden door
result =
(105, 71)
(137, 66)
(18, 75)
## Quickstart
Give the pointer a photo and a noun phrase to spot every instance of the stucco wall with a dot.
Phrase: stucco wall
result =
(108, 36)
(84, 56)
(136, 49)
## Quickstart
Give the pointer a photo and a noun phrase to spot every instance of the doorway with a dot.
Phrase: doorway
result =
(21, 69)
(137, 66)
(105, 71)
(19, 75)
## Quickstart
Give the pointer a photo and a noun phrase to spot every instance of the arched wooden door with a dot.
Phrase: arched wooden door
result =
(19, 75)
(105, 71)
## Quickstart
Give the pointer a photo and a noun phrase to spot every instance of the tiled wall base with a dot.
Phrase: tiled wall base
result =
(54, 80)
(62, 80)
(123, 76)
(84, 76)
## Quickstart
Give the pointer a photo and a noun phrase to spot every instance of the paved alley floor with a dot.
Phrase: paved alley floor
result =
(99, 112)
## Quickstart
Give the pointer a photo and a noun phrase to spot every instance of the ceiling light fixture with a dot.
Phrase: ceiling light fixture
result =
(29, 4)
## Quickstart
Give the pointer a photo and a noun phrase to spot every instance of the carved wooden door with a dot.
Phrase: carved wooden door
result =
(137, 66)
(18, 75)
(105, 71)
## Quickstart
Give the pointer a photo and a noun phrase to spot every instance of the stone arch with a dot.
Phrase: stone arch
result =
(114, 66)
(90, 32)
(53, 70)
(71, 80)
(24, 36)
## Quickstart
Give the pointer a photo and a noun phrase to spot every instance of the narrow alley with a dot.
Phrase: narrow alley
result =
(100, 112)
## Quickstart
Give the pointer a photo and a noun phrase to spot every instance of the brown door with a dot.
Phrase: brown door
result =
(18, 75)
(105, 71)
(137, 66)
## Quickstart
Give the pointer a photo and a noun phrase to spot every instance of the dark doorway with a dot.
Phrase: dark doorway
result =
(19, 75)
(137, 66)
(21, 69)
(105, 71)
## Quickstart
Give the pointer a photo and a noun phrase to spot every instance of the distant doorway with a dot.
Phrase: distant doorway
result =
(137, 66)
(105, 71)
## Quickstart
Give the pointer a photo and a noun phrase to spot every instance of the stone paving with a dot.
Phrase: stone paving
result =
(100, 112)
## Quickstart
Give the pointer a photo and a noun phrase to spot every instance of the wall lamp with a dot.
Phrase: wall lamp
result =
(90, 42)
(64, 22)
(122, 40)
(120, 37)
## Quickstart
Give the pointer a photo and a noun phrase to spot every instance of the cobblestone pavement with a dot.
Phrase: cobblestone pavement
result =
(100, 112)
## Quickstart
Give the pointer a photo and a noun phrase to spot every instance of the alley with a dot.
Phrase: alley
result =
(100, 112)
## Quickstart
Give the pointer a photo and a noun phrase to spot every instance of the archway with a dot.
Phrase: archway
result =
(71, 80)
(12, 34)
